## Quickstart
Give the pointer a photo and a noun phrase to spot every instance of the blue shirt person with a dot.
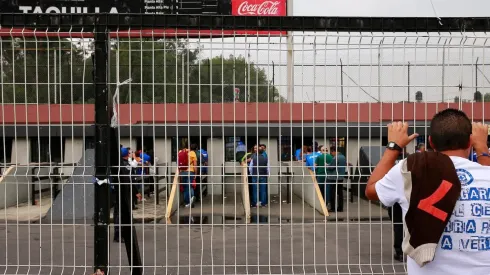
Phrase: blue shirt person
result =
(202, 157)
(310, 160)
(336, 173)
(297, 154)
(259, 171)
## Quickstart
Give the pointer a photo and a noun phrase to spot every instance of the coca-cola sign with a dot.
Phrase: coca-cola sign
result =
(259, 7)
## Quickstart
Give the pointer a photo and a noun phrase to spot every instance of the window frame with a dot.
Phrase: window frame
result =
(231, 140)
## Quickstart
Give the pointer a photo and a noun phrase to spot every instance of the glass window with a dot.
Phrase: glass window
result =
(6, 150)
(230, 147)
(285, 148)
(46, 149)
(89, 143)
(339, 143)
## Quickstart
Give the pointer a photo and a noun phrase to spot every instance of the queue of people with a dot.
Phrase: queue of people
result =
(330, 169)
(133, 169)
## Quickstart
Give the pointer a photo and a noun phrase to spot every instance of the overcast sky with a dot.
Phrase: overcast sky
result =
(317, 55)
(392, 8)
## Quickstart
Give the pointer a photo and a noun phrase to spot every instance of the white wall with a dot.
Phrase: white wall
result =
(163, 151)
(21, 151)
(129, 142)
(14, 186)
(216, 158)
(73, 153)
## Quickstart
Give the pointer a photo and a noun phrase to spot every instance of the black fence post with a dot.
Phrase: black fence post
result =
(103, 112)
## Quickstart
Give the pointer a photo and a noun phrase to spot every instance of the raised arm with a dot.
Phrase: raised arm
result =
(397, 133)
(479, 139)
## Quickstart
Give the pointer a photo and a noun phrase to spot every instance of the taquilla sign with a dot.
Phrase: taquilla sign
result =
(96, 6)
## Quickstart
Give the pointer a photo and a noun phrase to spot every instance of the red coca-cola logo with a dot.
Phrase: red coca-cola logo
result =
(259, 7)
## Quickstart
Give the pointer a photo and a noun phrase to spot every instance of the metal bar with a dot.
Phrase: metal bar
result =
(89, 22)
(408, 85)
(103, 110)
(341, 82)
(476, 77)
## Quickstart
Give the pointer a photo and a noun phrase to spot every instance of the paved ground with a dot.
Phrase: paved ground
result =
(290, 248)
(299, 211)
(215, 239)
(147, 210)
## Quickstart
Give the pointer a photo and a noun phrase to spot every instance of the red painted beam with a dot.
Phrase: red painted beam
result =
(229, 113)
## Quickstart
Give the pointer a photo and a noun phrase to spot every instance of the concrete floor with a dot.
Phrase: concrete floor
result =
(287, 248)
(214, 238)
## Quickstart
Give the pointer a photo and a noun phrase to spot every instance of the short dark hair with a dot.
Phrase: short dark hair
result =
(320, 147)
(309, 149)
(193, 147)
(263, 145)
(333, 149)
(450, 130)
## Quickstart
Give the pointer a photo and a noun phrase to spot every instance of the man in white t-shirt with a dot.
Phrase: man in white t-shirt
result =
(464, 247)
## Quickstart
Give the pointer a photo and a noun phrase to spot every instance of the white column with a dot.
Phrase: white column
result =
(73, 153)
(273, 155)
(163, 151)
(21, 151)
(215, 161)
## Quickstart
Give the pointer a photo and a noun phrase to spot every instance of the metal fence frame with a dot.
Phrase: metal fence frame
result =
(102, 26)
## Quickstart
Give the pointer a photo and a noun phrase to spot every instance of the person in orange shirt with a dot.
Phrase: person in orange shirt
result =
(187, 163)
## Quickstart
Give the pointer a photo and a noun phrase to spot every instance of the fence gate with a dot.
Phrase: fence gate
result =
(98, 112)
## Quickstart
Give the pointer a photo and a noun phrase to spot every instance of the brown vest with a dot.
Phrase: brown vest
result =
(432, 188)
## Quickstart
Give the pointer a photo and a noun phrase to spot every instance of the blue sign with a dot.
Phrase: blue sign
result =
(464, 177)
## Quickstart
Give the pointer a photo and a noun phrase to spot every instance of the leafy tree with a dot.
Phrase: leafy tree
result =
(418, 96)
(215, 80)
(30, 75)
(159, 70)
(486, 98)
(477, 96)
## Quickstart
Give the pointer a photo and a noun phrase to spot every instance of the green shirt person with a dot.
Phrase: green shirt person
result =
(321, 163)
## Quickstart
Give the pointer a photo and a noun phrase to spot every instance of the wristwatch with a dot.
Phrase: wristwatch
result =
(393, 146)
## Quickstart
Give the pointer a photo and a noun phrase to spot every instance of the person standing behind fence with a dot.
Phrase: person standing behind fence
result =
(443, 208)
(259, 170)
(310, 160)
(336, 173)
(241, 150)
(420, 148)
(298, 153)
(202, 161)
(187, 162)
(248, 160)
(264, 149)
(321, 164)
(124, 177)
